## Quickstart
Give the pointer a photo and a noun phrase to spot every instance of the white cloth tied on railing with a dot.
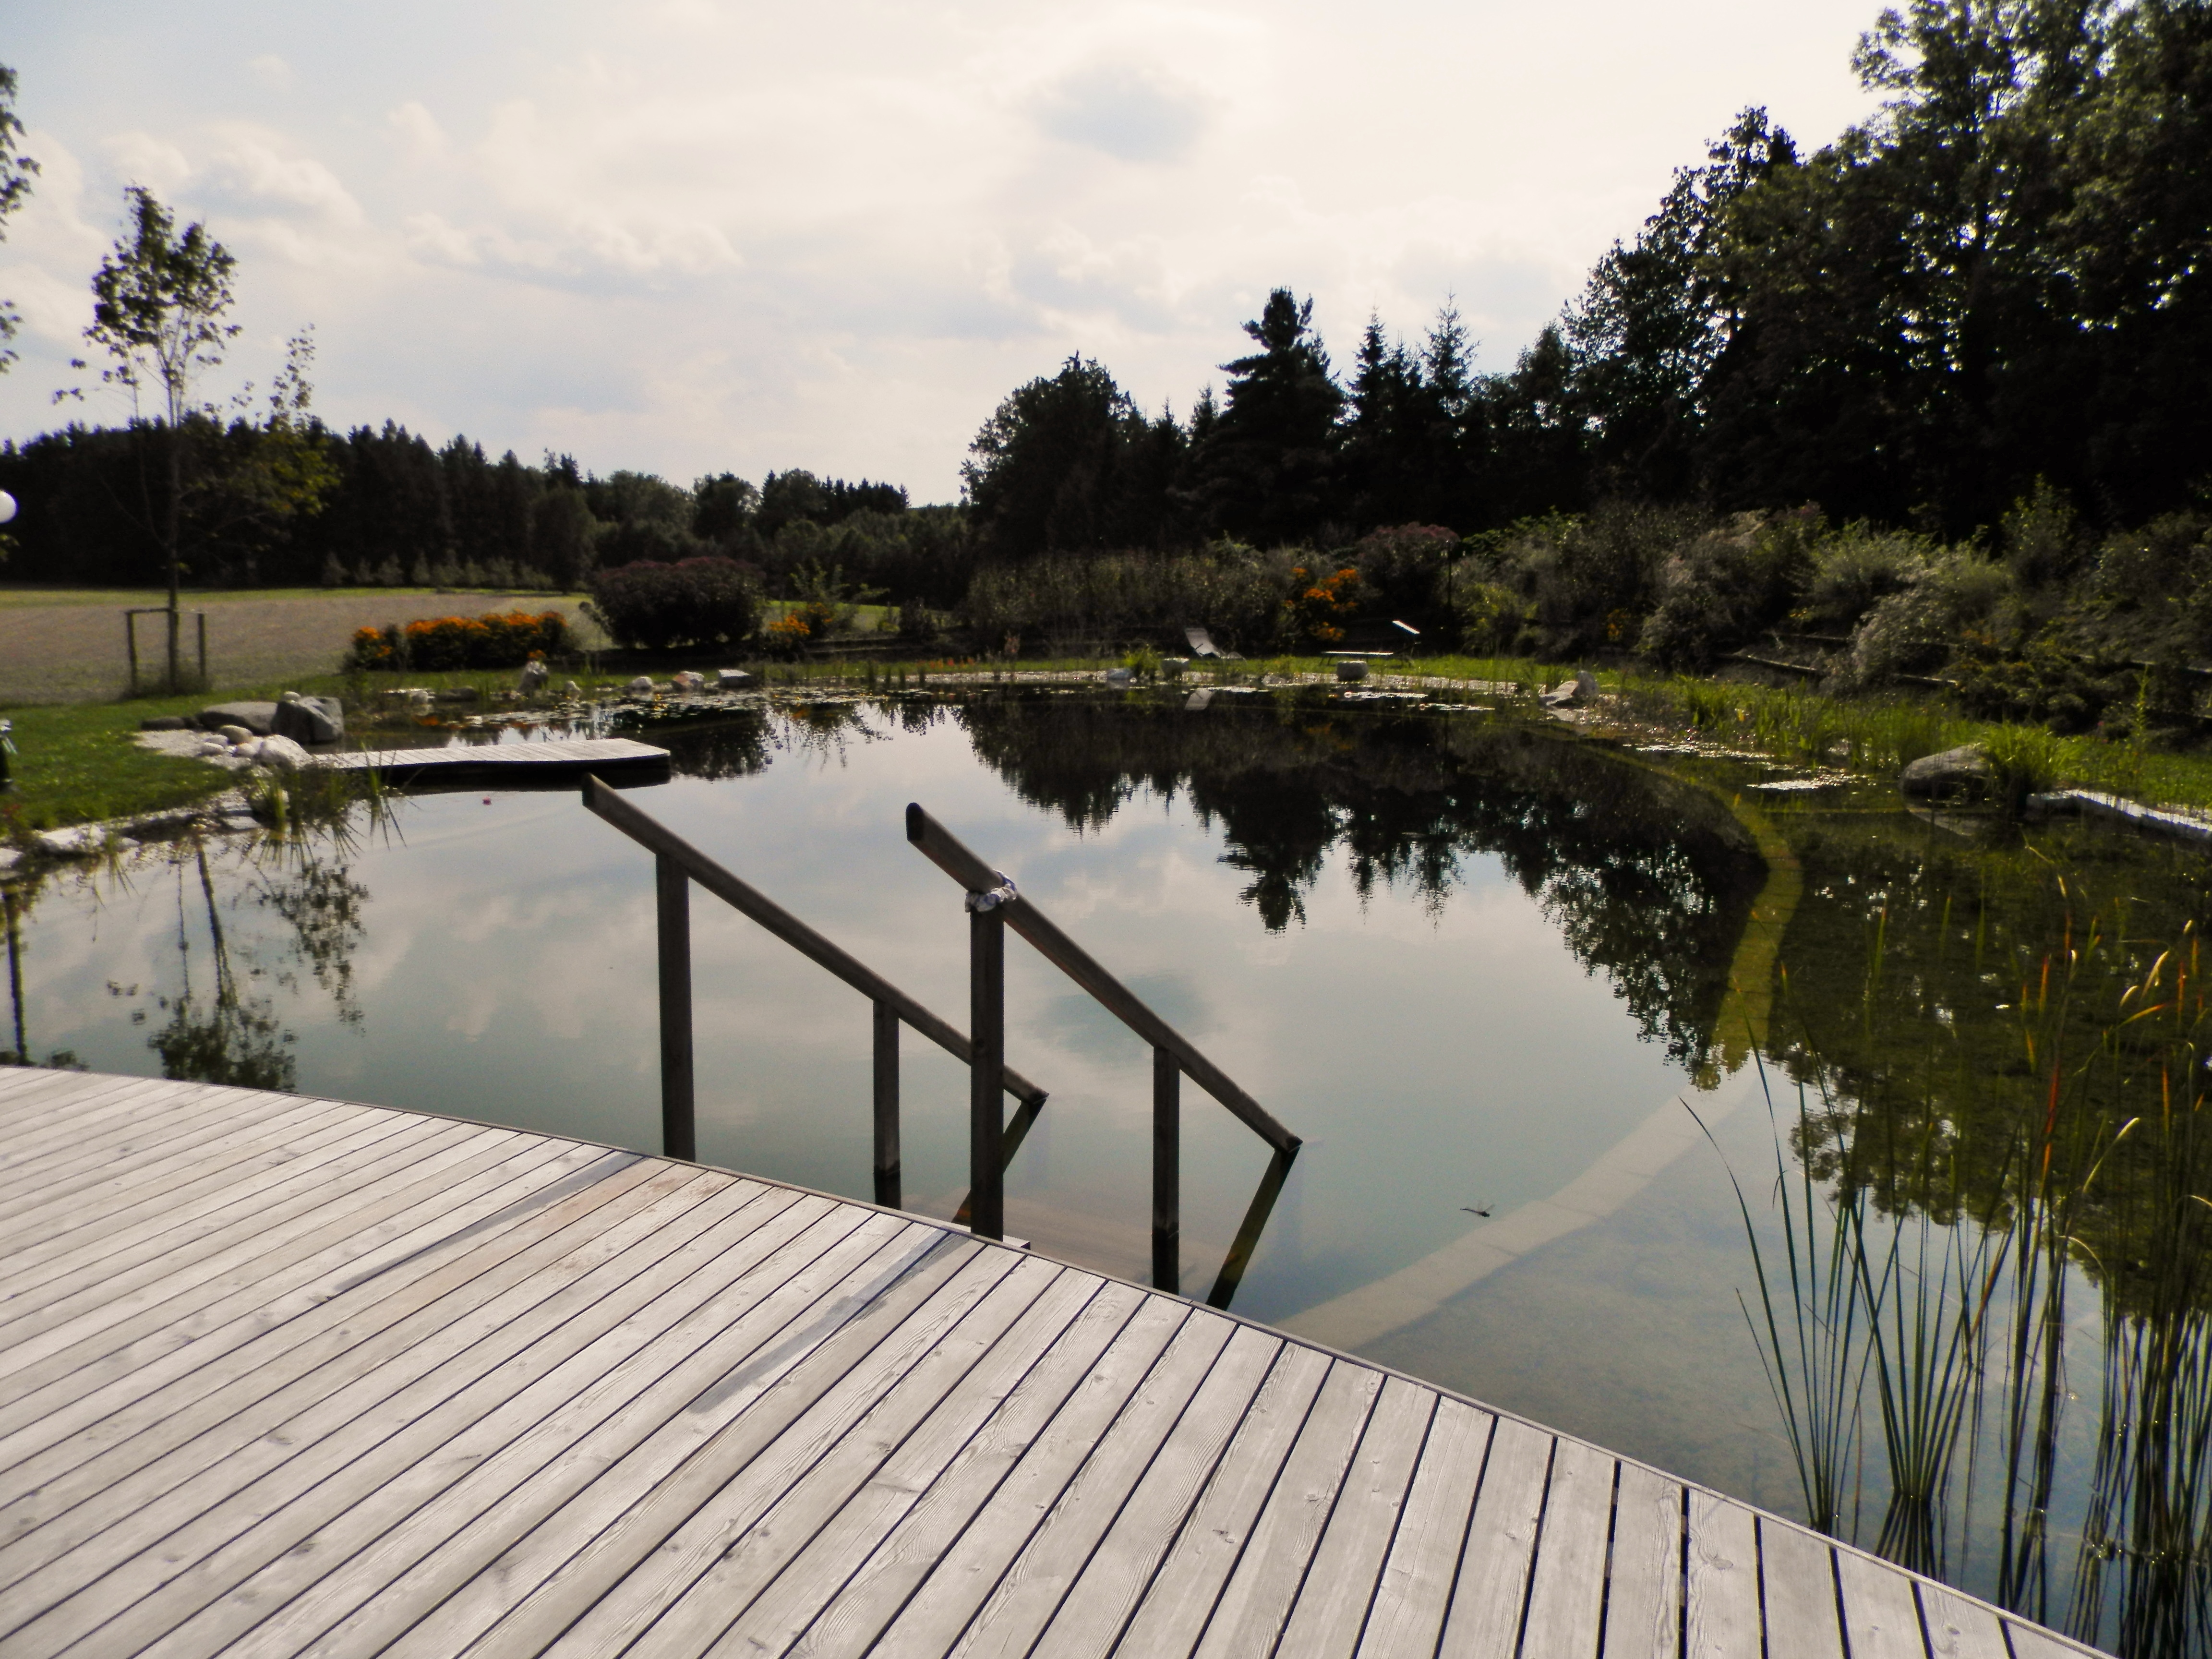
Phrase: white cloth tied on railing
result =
(1004, 893)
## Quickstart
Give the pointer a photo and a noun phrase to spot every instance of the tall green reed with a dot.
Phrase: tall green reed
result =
(1921, 1279)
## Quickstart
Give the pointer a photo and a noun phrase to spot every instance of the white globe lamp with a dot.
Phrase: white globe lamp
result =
(7, 507)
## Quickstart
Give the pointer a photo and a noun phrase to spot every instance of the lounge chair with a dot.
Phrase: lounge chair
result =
(1202, 645)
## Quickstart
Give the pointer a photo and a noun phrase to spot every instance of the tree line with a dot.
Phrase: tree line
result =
(1950, 364)
(388, 507)
(2001, 277)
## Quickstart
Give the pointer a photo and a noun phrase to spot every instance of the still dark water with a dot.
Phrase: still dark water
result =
(1487, 970)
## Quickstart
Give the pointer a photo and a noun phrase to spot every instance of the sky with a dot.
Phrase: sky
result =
(691, 236)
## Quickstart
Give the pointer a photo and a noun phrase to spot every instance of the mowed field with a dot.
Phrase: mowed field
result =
(66, 645)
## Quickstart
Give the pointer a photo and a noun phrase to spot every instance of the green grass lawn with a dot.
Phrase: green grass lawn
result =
(76, 764)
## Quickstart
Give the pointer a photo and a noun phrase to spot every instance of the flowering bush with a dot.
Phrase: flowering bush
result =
(787, 635)
(1316, 608)
(488, 642)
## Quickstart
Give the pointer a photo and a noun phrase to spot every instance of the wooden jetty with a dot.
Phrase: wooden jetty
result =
(289, 1376)
(552, 763)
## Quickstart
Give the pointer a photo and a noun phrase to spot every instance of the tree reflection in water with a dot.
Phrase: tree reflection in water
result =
(221, 1026)
(1649, 879)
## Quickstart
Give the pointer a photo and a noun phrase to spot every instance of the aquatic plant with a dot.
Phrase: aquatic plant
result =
(1933, 1217)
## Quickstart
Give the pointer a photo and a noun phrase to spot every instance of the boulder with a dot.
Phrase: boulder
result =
(688, 679)
(1351, 668)
(1579, 692)
(572, 691)
(260, 719)
(643, 686)
(460, 693)
(309, 719)
(1118, 677)
(1964, 773)
(732, 679)
(1172, 667)
(166, 723)
(234, 735)
(281, 753)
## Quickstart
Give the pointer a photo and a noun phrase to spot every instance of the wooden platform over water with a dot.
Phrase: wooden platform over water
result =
(283, 1376)
(552, 763)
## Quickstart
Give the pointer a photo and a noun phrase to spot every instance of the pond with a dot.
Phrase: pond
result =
(1535, 1004)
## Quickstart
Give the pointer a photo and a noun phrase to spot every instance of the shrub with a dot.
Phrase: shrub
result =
(2040, 535)
(1402, 567)
(1915, 629)
(702, 601)
(1854, 568)
(1229, 589)
(1318, 606)
(1588, 581)
(915, 624)
(2041, 682)
(448, 642)
(1723, 589)
(786, 636)
(1490, 616)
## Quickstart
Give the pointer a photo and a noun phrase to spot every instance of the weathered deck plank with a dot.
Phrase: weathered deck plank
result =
(1722, 1617)
(1643, 1601)
(1485, 1622)
(1407, 1613)
(222, 1407)
(551, 1186)
(1797, 1573)
(1566, 1593)
(284, 1376)
(1106, 1594)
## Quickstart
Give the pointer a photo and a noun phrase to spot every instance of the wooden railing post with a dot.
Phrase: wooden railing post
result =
(1167, 1173)
(987, 1039)
(887, 1105)
(672, 897)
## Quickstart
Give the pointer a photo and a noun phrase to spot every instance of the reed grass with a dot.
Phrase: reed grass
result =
(1926, 1289)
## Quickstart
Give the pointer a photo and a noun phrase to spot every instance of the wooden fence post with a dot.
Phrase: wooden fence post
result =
(987, 1039)
(1167, 1173)
(887, 1105)
(672, 895)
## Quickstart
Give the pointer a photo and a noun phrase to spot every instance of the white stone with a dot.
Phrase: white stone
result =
(282, 753)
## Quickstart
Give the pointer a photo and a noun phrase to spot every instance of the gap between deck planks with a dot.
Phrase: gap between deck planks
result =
(282, 1375)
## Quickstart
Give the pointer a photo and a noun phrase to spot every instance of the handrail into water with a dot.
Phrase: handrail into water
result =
(994, 905)
(677, 864)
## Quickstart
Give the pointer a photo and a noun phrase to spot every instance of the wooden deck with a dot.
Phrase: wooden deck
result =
(533, 764)
(283, 1376)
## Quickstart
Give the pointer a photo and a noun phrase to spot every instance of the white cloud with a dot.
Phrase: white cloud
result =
(1133, 111)
(715, 233)
(420, 138)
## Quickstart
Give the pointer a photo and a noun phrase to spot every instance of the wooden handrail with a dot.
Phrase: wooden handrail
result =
(609, 804)
(943, 848)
